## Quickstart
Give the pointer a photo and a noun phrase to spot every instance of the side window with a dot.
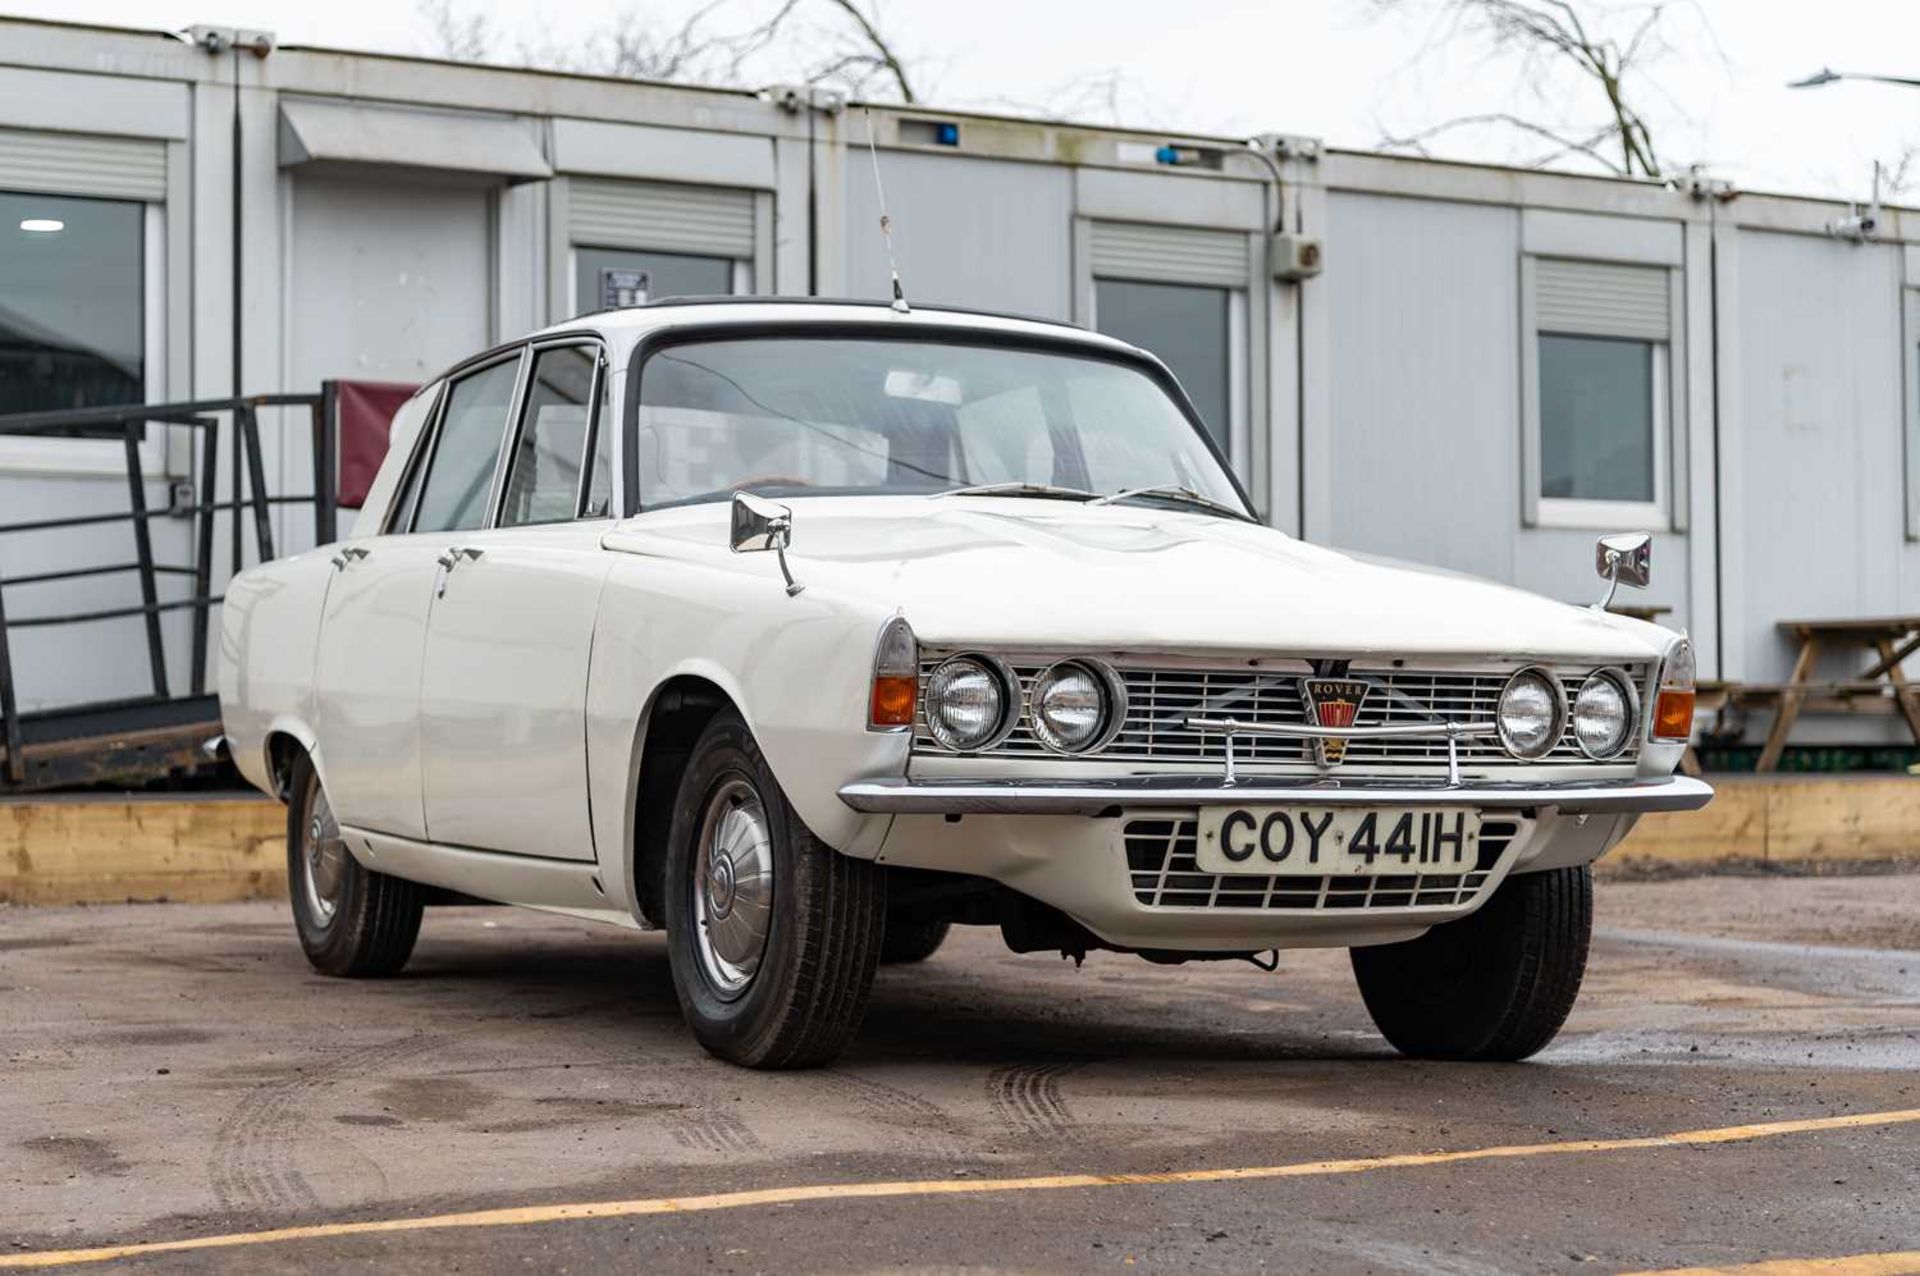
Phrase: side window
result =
(460, 471)
(600, 476)
(400, 513)
(543, 475)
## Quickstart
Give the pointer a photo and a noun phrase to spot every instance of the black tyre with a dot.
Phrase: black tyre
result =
(353, 922)
(773, 936)
(912, 937)
(1495, 985)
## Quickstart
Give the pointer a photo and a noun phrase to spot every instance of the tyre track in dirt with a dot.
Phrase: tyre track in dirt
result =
(1027, 1101)
(252, 1165)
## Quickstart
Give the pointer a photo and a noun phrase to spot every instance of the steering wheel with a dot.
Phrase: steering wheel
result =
(771, 480)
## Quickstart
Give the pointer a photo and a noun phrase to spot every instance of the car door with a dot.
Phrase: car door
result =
(373, 633)
(504, 684)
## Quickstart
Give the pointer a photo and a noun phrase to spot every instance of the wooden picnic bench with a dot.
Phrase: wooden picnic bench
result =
(1881, 687)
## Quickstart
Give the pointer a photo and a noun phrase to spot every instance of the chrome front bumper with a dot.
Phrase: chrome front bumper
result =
(1097, 797)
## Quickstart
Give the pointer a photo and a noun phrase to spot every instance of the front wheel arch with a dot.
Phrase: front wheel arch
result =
(677, 716)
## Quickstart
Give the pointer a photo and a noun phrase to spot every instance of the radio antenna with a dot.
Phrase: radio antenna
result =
(886, 222)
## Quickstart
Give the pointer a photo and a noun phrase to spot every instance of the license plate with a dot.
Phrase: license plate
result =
(1306, 841)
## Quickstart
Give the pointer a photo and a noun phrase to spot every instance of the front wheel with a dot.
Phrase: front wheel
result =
(1495, 985)
(353, 922)
(773, 937)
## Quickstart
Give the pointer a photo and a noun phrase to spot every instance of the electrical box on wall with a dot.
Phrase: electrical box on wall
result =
(1296, 257)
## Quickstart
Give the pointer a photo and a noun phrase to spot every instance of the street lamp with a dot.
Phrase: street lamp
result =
(1826, 75)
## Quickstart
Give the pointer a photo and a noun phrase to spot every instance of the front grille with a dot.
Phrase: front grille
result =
(1160, 700)
(1164, 874)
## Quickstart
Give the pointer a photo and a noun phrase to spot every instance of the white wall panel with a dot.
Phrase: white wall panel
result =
(1424, 318)
(107, 105)
(390, 280)
(1169, 196)
(1424, 309)
(969, 232)
(1820, 441)
(607, 149)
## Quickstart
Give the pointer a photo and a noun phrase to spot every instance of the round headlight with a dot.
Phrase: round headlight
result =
(1531, 714)
(1071, 707)
(1602, 716)
(966, 704)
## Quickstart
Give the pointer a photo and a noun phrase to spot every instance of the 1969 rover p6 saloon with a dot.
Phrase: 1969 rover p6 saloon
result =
(805, 631)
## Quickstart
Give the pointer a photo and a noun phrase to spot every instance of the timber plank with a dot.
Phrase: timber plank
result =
(77, 851)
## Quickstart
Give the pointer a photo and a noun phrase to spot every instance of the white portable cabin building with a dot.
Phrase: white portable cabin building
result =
(1460, 364)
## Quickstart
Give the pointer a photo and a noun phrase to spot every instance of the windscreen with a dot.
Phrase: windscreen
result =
(797, 416)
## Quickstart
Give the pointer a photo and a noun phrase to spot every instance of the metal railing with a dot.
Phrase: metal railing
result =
(128, 424)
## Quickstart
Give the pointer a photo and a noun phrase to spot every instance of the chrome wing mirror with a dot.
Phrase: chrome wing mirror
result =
(760, 525)
(1623, 559)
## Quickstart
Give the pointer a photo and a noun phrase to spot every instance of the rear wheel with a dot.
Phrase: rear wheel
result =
(773, 936)
(352, 921)
(1495, 985)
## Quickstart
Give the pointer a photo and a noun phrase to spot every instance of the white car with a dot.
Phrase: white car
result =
(806, 630)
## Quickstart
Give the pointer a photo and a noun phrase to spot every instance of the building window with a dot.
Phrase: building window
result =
(635, 242)
(1601, 413)
(1190, 327)
(72, 302)
(607, 278)
(1600, 398)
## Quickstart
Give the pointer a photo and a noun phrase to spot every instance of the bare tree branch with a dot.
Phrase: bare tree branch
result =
(456, 35)
(882, 51)
(1589, 146)
(1546, 34)
(848, 44)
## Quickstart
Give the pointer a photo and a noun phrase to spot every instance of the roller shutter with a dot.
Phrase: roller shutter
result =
(1596, 299)
(1169, 254)
(706, 220)
(81, 164)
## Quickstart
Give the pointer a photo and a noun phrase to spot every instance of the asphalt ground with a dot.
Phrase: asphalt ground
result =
(1740, 1083)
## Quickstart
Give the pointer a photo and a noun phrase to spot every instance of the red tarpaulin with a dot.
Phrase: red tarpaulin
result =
(366, 411)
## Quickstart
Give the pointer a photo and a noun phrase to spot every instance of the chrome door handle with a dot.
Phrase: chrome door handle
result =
(452, 557)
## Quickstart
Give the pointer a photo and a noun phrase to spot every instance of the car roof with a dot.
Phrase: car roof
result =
(629, 323)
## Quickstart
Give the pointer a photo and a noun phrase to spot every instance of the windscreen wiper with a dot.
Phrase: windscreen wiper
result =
(1042, 491)
(1177, 494)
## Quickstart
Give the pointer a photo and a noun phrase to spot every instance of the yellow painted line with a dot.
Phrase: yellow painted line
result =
(526, 1215)
(1902, 1264)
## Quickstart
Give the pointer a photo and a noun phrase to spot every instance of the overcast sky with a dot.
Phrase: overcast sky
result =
(1342, 70)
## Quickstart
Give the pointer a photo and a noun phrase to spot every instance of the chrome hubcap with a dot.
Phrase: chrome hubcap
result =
(323, 862)
(732, 887)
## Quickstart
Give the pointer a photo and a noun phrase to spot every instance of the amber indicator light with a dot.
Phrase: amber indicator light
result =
(893, 701)
(1673, 715)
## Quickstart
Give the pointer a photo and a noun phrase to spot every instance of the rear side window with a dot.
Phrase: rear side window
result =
(460, 471)
(543, 477)
(400, 513)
